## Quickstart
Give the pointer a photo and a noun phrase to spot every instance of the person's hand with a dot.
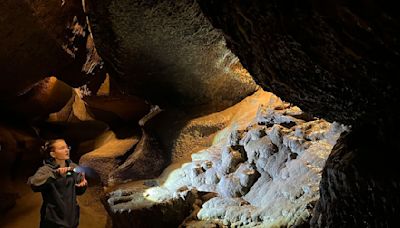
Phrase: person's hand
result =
(83, 181)
(63, 170)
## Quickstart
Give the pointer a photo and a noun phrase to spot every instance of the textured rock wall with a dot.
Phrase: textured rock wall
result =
(360, 183)
(339, 61)
(335, 60)
(168, 52)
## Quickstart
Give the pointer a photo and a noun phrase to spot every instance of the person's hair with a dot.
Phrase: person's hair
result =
(48, 146)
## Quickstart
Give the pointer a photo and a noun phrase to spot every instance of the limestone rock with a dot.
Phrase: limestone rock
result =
(168, 53)
(273, 177)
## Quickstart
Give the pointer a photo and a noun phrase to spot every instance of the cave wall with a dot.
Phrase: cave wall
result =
(360, 183)
(339, 61)
(335, 60)
(41, 39)
(167, 52)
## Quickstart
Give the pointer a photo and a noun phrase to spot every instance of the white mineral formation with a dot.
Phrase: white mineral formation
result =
(266, 174)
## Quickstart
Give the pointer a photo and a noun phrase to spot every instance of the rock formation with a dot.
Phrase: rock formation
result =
(338, 61)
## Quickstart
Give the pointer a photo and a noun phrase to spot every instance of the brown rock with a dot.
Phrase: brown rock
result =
(167, 52)
(47, 96)
(117, 108)
(75, 110)
(40, 39)
(147, 161)
(107, 154)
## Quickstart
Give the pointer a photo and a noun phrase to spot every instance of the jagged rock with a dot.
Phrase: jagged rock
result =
(279, 115)
(275, 134)
(219, 207)
(238, 183)
(234, 137)
(278, 183)
(254, 133)
(334, 60)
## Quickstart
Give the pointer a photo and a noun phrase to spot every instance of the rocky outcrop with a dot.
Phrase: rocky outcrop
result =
(265, 174)
(334, 60)
(129, 206)
(167, 52)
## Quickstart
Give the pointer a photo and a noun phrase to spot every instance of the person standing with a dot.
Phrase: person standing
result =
(59, 185)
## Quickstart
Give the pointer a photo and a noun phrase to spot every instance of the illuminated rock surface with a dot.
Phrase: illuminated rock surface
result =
(334, 60)
(263, 171)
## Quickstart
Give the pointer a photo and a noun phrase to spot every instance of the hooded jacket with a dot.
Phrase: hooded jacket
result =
(59, 208)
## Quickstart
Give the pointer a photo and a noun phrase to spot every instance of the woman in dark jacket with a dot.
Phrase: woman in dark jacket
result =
(59, 186)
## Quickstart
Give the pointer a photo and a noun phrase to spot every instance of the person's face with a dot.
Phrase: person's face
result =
(60, 150)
